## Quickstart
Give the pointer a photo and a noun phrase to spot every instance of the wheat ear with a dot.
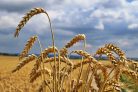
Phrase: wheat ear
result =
(27, 47)
(24, 62)
(117, 50)
(107, 52)
(48, 50)
(26, 18)
(76, 39)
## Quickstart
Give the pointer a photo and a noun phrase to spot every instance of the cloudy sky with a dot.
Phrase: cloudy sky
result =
(102, 21)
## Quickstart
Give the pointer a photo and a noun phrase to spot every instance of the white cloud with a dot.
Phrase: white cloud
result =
(99, 26)
(133, 26)
(9, 20)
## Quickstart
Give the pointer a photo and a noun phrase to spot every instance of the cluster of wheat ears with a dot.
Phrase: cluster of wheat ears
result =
(59, 77)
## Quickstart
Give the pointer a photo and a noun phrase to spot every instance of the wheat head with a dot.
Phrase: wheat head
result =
(26, 18)
(27, 47)
(24, 62)
(76, 39)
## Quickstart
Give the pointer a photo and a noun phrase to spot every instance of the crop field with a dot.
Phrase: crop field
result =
(19, 81)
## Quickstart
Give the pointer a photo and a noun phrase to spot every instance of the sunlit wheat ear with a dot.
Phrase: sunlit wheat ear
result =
(107, 52)
(115, 49)
(48, 50)
(118, 51)
(26, 18)
(24, 62)
(64, 60)
(38, 74)
(130, 73)
(76, 39)
(27, 47)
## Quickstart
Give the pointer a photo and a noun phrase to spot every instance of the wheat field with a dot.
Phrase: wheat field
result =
(60, 73)
(19, 82)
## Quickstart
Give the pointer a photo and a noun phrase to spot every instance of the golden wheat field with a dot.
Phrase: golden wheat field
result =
(60, 73)
(19, 81)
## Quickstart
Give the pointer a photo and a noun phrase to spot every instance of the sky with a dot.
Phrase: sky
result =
(102, 21)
